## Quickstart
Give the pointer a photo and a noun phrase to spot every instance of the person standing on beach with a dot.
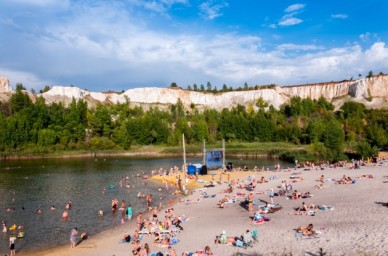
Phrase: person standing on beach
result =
(250, 203)
(73, 237)
(12, 239)
(271, 195)
(129, 212)
(123, 209)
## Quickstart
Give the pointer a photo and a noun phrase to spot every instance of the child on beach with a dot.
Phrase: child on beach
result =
(12, 239)
(73, 237)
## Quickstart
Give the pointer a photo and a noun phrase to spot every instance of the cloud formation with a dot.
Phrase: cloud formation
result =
(211, 9)
(294, 7)
(288, 19)
(340, 16)
(107, 46)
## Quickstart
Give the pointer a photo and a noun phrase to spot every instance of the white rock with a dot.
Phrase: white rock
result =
(372, 92)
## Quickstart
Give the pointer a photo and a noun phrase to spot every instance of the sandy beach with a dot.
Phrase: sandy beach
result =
(357, 225)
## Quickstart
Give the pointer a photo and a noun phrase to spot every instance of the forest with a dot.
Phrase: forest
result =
(27, 126)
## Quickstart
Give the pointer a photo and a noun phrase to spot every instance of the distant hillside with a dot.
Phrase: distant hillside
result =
(372, 92)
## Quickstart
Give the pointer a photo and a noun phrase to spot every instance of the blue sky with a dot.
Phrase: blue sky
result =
(118, 45)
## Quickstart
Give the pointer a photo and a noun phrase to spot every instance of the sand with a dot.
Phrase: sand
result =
(358, 225)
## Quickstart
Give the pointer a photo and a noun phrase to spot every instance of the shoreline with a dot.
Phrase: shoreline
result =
(339, 237)
(124, 154)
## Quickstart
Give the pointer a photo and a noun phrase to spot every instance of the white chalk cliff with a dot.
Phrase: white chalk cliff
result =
(373, 92)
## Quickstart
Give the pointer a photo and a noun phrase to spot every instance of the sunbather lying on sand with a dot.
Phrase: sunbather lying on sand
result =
(366, 176)
(306, 195)
(239, 195)
(296, 194)
(345, 180)
(229, 190)
(189, 201)
(307, 231)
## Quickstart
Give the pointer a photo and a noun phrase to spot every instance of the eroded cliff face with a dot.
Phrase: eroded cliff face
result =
(5, 89)
(372, 92)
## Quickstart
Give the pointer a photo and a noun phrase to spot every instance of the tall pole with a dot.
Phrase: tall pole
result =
(204, 152)
(223, 155)
(184, 168)
(184, 154)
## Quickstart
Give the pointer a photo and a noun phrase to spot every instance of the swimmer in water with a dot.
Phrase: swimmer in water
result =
(39, 211)
(65, 214)
(52, 208)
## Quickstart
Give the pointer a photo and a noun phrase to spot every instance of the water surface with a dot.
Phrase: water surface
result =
(40, 184)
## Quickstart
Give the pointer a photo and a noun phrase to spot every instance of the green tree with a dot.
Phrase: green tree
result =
(19, 100)
(199, 130)
(333, 139)
(20, 87)
(365, 150)
(209, 86)
(261, 103)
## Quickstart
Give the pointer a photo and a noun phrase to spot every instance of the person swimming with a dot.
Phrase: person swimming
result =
(65, 214)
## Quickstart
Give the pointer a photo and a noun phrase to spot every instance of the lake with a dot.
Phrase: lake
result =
(91, 184)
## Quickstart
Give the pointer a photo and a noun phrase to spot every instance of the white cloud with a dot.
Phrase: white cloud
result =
(289, 19)
(366, 37)
(294, 7)
(106, 47)
(272, 26)
(39, 3)
(339, 16)
(28, 79)
(211, 9)
(162, 6)
(298, 47)
(9, 22)
(290, 22)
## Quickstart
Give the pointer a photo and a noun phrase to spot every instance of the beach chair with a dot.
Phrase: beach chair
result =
(174, 229)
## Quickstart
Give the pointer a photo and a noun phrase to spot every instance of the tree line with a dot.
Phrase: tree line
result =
(38, 127)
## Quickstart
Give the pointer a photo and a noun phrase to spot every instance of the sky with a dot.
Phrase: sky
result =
(122, 44)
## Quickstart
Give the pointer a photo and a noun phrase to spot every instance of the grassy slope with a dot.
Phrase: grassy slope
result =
(244, 148)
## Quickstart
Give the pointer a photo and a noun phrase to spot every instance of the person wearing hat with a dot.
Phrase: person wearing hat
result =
(12, 239)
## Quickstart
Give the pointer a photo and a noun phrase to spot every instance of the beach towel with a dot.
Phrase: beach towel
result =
(325, 208)
(239, 243)
(174, 240)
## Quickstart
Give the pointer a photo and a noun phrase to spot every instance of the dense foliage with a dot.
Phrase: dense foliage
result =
(25, 125)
